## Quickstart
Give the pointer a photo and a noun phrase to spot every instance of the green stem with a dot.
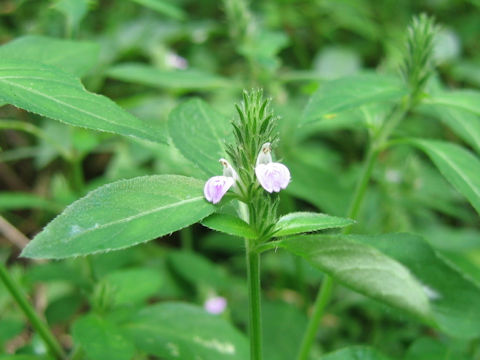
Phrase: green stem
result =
(78, 179)
(376, 145)
(254, 299)
(42, 328)
(320, 303)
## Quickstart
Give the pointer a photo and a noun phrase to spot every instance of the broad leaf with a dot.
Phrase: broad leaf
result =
(164, 7)
(166, 79)
(302, 222)
(49, 92)
(174, 331)
(122, 214)
(349, 93)
(101, 340)
(459, 166)
(453, 298)
(231, 225)
(355, 353)
(76, 57)
(200, 133)
(364, 269)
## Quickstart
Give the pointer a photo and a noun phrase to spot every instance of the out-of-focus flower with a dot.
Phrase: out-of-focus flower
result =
(175, 61)
(215, 305)
(272, 176)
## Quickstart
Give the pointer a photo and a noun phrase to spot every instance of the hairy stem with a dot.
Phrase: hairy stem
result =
(254, 298)
(42, 328)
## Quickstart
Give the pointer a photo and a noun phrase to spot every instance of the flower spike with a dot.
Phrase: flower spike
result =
(273, 176)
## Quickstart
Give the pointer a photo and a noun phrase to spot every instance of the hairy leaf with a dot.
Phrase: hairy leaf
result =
(122, 214)
(302, 222)
(231, 225)
(49, 92)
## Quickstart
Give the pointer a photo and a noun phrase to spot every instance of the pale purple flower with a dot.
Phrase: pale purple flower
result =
(175, 61)
(217, 186)
(272, 176)
(215, 305)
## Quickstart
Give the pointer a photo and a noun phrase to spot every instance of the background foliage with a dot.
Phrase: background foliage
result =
(70, 68)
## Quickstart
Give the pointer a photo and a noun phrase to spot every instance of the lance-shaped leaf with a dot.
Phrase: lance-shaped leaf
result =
(200, 133)
(231, 225)
(458, 165)
(180, 331)
(351, 92)
(364, 269)
(122, 214)
(463, 99)
(188, 79)
(49, 92)
(454, 298)
(76, 57)
(302, 222)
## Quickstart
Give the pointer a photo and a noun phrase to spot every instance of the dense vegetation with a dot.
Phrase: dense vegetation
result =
(342, 221)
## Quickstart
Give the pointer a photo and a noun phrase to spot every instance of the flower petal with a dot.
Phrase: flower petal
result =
(216, 187)
(273, 176)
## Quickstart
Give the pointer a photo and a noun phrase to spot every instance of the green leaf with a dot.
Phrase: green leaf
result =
(351, 92)
(200, 133)
(463, 99)
(363, 269)
(174, 331)
(198, 270)
(464, 123)
(122, 214)
(49, 92)
(76, 57)
(20, 200)
(302, 222)
(283, 328)
(74, 11)
(453, 297)
(355, 353)
(101, 340)
(166, 79)
(126, 288)
(459, 166)
(163, 7)
(231, 225)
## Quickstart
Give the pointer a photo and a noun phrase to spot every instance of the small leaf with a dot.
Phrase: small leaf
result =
(122, 214)
(453, 297)
(355, 353)
(180, 331)
(49, 92)
(364, 269)
(101, 340)
(188, 79)
(76, 57)
(351, 92)
(231, 225)
(459, 166)
(302, 222)
(163, 7)
(200, 133)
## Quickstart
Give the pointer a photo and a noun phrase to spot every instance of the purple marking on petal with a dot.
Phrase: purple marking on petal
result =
(215, 305)
(216, 187)
(273, 176)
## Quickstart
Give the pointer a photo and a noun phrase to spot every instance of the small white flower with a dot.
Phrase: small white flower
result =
(217, 186)
(272, 176)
